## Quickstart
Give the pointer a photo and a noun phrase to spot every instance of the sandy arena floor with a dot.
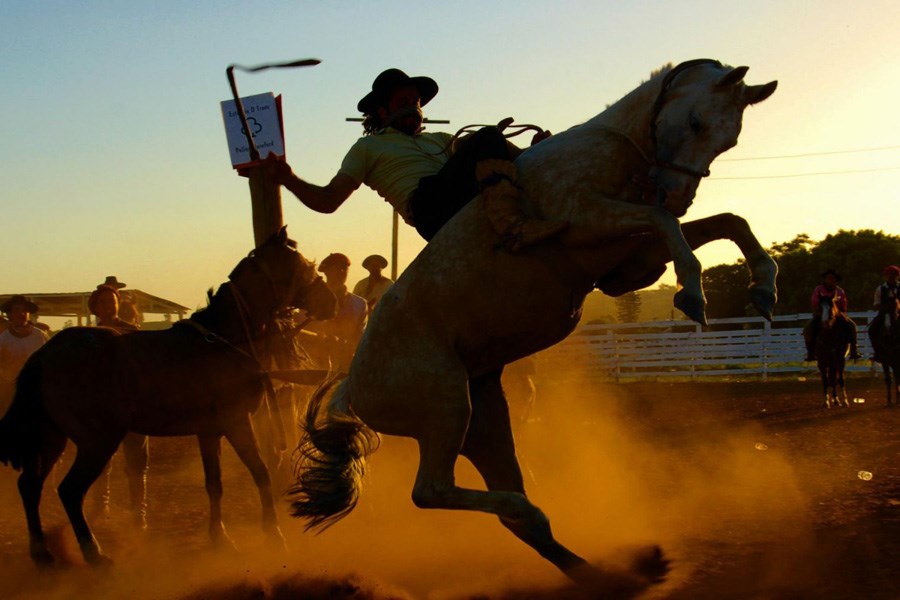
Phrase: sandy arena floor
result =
(751, 489)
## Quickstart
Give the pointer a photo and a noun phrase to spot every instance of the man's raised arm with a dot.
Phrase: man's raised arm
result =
(323, 199)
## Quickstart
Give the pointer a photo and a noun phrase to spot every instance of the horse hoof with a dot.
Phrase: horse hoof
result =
(763, 301)
(42, 558)
(221, 540)
(607, 583)
(692, 306)
(100, 561)
(276, 540)
(651, 564)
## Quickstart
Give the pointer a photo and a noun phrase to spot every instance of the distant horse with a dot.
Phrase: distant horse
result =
(890, 353)
(832, 344)
(429, 364)
(201, 377)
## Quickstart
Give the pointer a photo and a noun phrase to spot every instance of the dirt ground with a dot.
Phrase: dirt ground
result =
(751, 488)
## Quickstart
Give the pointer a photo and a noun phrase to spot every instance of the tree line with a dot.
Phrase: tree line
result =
(858, 256)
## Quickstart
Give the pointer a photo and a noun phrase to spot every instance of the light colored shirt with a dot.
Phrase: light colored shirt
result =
(344, 330)
(891, 292)
(14, 351)
(392, 163)
(372, 293)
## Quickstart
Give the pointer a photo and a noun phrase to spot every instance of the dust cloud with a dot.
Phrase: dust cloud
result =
(614, 467)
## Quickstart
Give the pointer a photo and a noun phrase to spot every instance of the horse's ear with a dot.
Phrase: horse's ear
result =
(282, 234)
(758, 93)
(732, 77)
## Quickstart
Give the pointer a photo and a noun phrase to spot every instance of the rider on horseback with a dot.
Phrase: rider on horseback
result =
(829, 289)
(426, 177)
(886, 296)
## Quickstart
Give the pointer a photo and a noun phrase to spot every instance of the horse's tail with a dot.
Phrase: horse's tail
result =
(331, 458)
(20, 427)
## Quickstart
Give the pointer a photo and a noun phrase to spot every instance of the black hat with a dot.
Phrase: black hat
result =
(828, 272)
(388, 81)
(19, 299)
(112, 282)
(375, 261)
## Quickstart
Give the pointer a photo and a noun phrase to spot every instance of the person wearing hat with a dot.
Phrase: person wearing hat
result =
(19, 341)
(340, 334)
(885, 302)
(427, 177)
(104, 304)
(829, 289)
(373, 287)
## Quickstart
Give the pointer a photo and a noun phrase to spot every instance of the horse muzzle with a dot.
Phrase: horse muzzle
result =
(319, 301)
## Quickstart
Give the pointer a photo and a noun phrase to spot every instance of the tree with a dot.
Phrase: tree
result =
(628, 307)
(859, 256)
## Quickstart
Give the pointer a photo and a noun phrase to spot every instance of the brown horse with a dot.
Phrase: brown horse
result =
(888, 341)
(429, 364)
(201, 377)
(832, 345)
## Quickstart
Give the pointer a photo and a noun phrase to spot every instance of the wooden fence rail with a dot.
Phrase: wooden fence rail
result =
(655, 349)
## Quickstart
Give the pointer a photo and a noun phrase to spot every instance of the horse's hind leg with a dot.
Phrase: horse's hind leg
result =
(31, 486)
(136, 449)
(211, 453)
(242, 439)
(489, 445)
(89, 464)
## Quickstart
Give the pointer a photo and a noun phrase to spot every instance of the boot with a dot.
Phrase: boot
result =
(501, 203)
(854, 352)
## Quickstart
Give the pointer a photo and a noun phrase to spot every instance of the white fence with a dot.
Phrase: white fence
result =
(736, 346)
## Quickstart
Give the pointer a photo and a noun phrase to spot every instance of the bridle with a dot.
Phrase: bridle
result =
(647, 183)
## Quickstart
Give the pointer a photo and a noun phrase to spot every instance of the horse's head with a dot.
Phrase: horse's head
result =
(697, 116)
(827, 312)
(281, 278)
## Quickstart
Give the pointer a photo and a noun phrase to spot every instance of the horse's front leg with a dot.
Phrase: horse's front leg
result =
(210, 453)
(241, 437)
(646, 262)
(762, 267)
(600, 221)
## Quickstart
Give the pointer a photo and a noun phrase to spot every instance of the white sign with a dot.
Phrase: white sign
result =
(264, 122)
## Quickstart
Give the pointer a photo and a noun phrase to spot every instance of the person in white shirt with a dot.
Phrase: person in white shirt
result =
(885, 302)
(373, 287)
(19, 341)
(340, 335)
(427, 177)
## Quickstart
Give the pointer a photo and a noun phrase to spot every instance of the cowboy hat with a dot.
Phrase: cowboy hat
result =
(375, 261)
(112, 282)
(19, 299)
(334, 260)
(387, 82)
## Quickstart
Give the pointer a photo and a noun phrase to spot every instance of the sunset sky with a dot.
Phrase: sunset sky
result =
(114, 158)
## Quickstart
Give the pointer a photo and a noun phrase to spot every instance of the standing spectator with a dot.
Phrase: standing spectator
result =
(341, 334)
(19, 341)
(885, 302)
(104, 304)
(829, 289)
(373, 287)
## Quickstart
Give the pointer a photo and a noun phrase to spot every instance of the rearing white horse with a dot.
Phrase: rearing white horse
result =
(429, 364)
